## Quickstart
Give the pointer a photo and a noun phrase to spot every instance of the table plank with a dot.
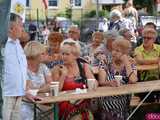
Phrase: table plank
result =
(147, 67)
(106, 91)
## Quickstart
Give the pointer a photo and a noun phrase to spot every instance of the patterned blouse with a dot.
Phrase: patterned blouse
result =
(38, 79)
(118, 105)
(53, 63)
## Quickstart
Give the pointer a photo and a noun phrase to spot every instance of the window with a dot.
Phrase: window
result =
(27, 3)
(77, 3)
(52, 3)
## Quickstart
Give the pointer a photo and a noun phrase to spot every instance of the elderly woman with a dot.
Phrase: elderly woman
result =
(117, 106)
(128, 35)
(115, 20)
(131, 13)
(39, 75)
(97, 40)
(54, 41)
(105, 49)
(73, 74)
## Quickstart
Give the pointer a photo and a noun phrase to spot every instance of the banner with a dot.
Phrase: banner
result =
(18, 7)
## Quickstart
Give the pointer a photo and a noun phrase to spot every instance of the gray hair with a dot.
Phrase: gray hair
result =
(111, 34)
(115, 13)
(123, 31)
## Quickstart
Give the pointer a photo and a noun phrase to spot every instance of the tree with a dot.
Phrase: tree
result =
(150, 4)
(68, 13)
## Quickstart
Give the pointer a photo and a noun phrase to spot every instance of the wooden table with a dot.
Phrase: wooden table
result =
(100, 92)
(139, 87)
(147, 67)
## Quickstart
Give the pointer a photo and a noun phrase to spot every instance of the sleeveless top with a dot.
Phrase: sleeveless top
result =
(67, 109)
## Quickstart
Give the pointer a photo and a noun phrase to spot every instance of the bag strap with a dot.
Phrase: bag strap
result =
(82, 71)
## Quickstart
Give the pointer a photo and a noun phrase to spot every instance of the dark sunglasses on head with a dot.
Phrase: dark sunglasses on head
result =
(69, 43)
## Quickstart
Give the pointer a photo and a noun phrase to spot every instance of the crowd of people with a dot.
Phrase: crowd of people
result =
(30, 64)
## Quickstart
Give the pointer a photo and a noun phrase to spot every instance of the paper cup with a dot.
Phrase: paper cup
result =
(118, 78)
(54, 88)
(54, 83)
(91, 84)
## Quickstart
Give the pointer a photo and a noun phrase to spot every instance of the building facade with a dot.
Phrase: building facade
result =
(35, 8)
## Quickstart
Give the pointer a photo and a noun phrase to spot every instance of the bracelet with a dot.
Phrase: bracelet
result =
(130, 74)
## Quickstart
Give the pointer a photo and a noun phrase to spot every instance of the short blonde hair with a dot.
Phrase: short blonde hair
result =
(33, 48)
(72, 46)
(123, 44)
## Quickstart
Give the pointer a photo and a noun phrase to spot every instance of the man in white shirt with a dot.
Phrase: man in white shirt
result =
(15, 71)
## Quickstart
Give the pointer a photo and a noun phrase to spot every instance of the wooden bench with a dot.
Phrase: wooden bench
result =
(135, 100)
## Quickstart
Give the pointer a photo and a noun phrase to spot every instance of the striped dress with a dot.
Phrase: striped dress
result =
(117, 106)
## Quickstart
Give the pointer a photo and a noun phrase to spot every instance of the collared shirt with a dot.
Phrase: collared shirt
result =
(148, 55)
(15, 69)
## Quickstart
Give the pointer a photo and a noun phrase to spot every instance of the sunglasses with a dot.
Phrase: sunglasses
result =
(148, 38)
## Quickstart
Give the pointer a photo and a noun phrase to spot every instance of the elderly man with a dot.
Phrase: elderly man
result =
(147, 54)
(74, 33)
(15, 71)
(148, 25)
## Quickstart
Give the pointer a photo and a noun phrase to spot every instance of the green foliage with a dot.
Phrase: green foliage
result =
(102, 13)
(61, 14)
(149, 4)
(77, 22)
(68, 13)
(90, 14)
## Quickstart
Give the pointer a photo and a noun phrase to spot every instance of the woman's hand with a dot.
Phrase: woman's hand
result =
(113, 83)
(102, 58)
(32, 98)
